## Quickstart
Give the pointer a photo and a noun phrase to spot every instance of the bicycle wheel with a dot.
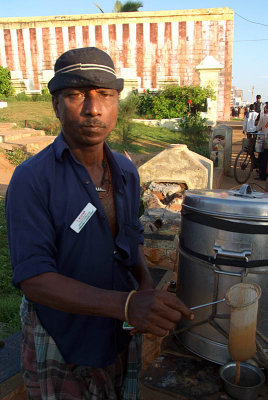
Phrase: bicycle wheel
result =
(242, 166)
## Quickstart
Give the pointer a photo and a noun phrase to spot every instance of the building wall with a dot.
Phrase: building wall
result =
(148, 45)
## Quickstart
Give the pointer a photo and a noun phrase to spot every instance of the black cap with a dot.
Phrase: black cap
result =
(87, 66)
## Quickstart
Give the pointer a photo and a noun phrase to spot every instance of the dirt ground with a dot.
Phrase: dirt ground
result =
(6, 171)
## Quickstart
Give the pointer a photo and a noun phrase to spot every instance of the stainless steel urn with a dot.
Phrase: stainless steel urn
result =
(223, 241)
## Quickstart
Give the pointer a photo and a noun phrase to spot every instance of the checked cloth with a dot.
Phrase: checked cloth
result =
(48, 377)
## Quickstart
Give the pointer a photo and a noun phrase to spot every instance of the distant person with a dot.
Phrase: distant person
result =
(236, 112)
(246, 111)
(263, 157)
(258, 106)
(249, 121)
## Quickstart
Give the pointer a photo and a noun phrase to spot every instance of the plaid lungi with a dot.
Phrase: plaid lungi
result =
(48, 377)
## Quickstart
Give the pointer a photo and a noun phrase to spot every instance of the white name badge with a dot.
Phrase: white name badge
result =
(83, 218)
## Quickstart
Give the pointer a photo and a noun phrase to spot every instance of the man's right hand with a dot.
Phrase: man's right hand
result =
(156, 311)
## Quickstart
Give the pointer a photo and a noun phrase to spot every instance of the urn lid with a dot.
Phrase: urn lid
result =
(243, 203)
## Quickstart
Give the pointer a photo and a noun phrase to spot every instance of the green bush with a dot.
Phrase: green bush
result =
(44, 96)
(6, 89)
(174, 101)
(195, 129)
(16, 156)
(177, 101)
(202, 149)
(168, 104)
(145, 104)
(22, 96)
(127, 109)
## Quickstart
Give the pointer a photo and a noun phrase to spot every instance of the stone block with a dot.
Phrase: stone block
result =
(178, 164)
(172, 255)
(165, 244)
(162, 83)
(175, 207)
(47, 75)
(16, 75)
(151, 347)
(18, 85)
(159, 257)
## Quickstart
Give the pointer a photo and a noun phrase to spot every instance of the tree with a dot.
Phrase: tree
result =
(6, 89)
(128, 6)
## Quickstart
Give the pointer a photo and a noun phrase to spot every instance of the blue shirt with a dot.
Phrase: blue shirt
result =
(46, 194)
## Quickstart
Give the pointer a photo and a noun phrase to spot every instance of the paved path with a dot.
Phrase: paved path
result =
(228, 182)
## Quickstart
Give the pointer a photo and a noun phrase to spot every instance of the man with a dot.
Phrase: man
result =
(258, 104)
(76, 244)
(249, 125)
(263, 157)
(246, 111)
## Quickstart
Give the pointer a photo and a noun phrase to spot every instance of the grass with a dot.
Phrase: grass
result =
(236, 119)
(148, 139)
(16, 156)
(10, 297)
(9, 312)
(38, 115)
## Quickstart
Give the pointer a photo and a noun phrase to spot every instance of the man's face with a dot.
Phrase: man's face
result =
(87, 115)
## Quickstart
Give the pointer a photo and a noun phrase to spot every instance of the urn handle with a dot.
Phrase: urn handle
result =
(243, 255)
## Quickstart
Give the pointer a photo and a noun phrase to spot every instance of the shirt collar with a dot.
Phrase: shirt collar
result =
(114, 165)
(60, 146)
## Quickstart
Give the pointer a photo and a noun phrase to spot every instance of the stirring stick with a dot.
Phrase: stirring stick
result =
(208, 304)
(237, 374)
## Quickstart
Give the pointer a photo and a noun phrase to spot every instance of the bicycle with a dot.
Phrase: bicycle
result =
(246, 160)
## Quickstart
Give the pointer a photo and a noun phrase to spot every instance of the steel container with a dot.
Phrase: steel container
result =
(252, 378)
(223, 242)
(259, 145)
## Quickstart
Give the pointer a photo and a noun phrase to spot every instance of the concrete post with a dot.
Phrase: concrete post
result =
(17, 82)
(47, 74)
(221, 147)
(209, 76)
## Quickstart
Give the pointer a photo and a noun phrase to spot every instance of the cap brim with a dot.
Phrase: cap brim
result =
(63, 81)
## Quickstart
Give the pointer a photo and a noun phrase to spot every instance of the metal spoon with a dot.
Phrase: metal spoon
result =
(208, 304)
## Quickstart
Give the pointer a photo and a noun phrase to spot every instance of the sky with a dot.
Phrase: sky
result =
(250, 51)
